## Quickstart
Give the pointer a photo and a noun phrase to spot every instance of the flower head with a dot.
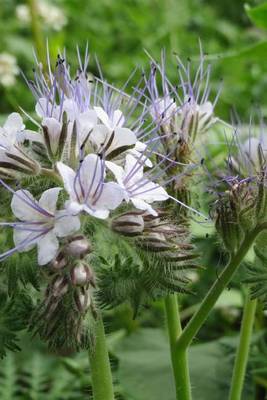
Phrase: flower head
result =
(183, 110)
(39, 223)
(88, 190)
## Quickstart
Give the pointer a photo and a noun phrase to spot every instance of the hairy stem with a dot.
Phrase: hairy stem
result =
(243, 349)
(100, 365)
(209, 301)
(179, 357)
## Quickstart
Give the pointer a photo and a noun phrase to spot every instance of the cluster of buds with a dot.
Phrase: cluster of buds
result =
(235, 211)
(152, 232)
(73, 273)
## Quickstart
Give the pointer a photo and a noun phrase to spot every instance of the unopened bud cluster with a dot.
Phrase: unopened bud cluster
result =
(154, 233)
(72, 275)
(239, 209)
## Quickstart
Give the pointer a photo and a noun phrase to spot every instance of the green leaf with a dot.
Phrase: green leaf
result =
(258, 14)
(145, 367)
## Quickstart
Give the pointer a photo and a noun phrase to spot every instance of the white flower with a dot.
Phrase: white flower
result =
(40, 224)
(52, 16)
(76, 132)
(23, 13)
(8, 69)
(137, 188)
(110, 137)
(87, 189)
(14, 130)
(12, 156)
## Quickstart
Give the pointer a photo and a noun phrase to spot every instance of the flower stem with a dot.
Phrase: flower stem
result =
(243, 349)
(100, 365)
(209, 301)
(179, 357)
(37, 31)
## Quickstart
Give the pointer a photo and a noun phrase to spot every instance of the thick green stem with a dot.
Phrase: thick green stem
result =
(179, 357)
(243, 349)
(100, 365)
(209, 301)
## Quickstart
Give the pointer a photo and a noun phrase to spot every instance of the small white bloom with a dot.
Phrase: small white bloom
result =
(12, 156)
(8, 69)
(23, 13)
(138, 188)
(110, 137)
(87, 189)
(52, 16)
(40, 224)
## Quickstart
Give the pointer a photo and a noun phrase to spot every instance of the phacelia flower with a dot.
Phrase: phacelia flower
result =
(183, 109)
(87, 189)
(39, 223)
(138, 188)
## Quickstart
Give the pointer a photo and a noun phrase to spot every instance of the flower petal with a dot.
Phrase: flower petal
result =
(91, 174)
(48, 200)
(117, 171)
(23, 238)
(66, 224)
(99, 136)
(142, 205)
(14, 123)
(68, 176)
(47, 248)
(118, 119)
(111, 197)
(103, 116)
(22, 209)
(53, 129)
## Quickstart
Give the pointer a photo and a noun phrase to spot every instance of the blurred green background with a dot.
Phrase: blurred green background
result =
(234, 36)
(232, 33)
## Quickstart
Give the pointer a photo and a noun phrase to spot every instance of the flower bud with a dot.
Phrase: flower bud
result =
(128, 224)
(155, 241)
(60, 286)
(78, 247)
(82, 300)
(82, 275)
(59, 262)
